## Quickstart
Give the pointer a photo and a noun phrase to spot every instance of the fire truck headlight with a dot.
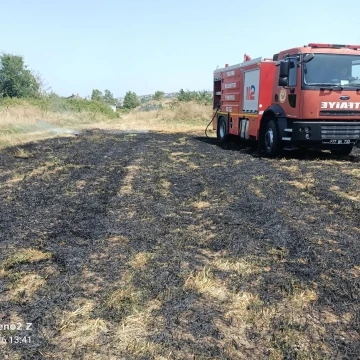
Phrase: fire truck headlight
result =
(308, 136)
(307, 129)
(301, 129)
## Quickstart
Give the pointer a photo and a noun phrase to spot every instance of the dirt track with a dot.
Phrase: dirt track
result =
(154, 246)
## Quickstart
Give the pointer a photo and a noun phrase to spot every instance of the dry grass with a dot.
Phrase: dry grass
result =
(21, 123)
(24, 256)
(182, 117)
(25, 286)
(201, 204)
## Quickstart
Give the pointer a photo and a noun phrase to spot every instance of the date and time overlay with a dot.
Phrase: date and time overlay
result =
(16, 333)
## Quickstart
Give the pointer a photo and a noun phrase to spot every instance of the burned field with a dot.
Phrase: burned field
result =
(154, 246)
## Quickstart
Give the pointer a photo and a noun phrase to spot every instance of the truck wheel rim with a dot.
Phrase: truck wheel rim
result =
(269, 139)
(222, 130)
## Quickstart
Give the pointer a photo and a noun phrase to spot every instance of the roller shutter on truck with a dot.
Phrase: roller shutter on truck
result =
(251, 90)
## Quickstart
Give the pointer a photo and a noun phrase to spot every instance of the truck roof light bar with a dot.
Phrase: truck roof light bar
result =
(334, 46)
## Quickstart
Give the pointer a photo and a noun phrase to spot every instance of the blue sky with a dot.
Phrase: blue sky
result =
(144, 46)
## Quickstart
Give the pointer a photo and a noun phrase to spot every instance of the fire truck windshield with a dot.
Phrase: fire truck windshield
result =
(332, 70)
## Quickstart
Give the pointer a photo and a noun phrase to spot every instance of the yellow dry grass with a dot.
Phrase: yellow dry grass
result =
(132, 169)
(201, 204)
(353, 196)
(78, 328)
(25, 287)
(140, 260)
(256, 191)
(246, 310)
(21, 123)
(25, 256)
(187, 116)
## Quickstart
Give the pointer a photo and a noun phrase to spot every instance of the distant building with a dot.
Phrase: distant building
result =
(120, 102)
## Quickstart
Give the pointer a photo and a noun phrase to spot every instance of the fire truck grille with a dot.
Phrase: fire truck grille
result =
(340, 131)
(339, 113)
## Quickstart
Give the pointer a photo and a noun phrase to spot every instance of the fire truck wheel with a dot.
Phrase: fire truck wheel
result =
(222, 130)
(343, 151)
(272, 144)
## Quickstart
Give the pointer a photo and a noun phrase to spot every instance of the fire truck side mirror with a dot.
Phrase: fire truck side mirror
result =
(284, 72)
(283, 81)
(284, 69)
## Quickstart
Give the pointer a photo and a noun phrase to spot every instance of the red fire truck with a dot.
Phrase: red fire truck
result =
(308, 96)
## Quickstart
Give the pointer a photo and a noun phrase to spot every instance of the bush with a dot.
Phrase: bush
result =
(203, 97)
(158, 95)
(145, 100)
(56, 103)
(131, 100)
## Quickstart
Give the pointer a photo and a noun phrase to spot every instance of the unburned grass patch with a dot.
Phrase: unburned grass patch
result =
(25, 256)
(24, 286)
(201, 204)
(78, 328)
(121, 303)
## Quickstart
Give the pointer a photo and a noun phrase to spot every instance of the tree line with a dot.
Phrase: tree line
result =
(18, 81)
(131, 100)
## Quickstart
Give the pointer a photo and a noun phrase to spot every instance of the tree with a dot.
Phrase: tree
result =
(44, 88)
(158, 95)
(185, 95)
(131, 100)
(97, 95)
(16, 80)
(109, 97)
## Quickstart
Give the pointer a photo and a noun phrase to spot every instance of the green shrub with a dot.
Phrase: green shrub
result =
(158, 95)
(203, 97)
(131, 100)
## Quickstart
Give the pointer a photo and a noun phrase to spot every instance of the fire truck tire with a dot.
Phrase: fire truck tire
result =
(221, 133)
(272, 144)
(343, 151)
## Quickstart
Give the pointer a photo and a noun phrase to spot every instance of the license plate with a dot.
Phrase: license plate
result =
(340, 141)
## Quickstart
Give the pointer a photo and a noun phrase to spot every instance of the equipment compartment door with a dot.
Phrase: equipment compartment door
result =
(251, 90)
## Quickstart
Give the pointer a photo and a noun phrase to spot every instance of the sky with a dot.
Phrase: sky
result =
(144, 46)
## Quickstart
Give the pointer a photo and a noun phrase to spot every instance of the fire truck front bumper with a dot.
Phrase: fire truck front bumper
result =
(325, 133)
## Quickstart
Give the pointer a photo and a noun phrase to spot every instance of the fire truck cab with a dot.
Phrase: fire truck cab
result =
(307, 96)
